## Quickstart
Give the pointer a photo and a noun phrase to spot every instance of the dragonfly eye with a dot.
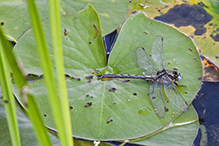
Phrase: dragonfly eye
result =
(179, 77)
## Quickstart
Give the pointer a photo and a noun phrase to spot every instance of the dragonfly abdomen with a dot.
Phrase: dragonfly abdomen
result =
(151, 78)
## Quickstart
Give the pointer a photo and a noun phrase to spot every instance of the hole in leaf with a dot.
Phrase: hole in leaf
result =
(134, 94)
(112, 89)
(110, 120)
(166, 109)
(88, 104)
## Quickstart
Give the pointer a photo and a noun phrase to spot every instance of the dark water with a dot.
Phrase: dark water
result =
(207, 107)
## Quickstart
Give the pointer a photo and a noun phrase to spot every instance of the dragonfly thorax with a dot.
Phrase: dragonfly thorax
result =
(173, 75)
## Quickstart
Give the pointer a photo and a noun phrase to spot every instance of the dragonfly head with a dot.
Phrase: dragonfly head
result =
(178, 76)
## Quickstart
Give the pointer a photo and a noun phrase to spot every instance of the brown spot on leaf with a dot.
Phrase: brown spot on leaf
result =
(166, 109)
(65, 32)
(95, 28)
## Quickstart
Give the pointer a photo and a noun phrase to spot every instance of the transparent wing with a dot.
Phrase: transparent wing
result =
(144, 61)
(156, 96)
(157, 52)
(173, 95)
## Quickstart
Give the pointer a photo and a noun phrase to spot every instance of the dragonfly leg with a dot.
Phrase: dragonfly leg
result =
(171, 84)
(152, 91)
(179, 85)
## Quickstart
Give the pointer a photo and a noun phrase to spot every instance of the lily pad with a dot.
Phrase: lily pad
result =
(113, 11)
(113, 109)
(82, 44)
(178, 132)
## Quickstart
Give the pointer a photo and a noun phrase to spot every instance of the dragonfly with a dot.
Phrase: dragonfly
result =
(160, 77)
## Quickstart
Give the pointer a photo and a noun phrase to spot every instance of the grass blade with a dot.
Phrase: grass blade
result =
(33, 112)
(9, 102)
(55, 102)
(55, 23)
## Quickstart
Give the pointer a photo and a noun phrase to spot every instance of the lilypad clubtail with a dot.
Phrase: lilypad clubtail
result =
(159, 76)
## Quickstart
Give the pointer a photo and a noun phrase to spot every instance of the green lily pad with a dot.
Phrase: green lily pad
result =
(82, 42)
(179, 52)
(113, 110)
(179, 132)
(14, 14)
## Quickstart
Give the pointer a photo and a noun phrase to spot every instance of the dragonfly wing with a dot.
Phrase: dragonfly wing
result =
(156, 96)
(173, 95)
(157, 52)
(144, 61)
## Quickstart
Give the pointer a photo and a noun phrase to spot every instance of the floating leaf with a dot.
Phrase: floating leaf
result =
(127, 112)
